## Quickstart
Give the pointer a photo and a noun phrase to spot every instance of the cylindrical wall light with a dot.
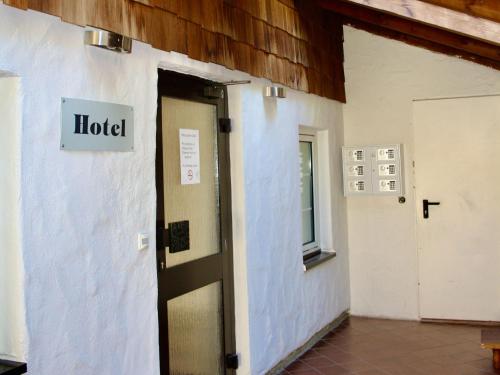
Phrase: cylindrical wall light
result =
(108, 40)
(274, 92)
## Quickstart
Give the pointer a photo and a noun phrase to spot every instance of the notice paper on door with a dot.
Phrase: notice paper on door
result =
(189, 141)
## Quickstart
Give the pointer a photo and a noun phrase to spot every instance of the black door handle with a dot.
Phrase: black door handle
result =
(426, 207)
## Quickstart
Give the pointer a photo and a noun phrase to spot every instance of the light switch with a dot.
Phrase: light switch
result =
(142, 241)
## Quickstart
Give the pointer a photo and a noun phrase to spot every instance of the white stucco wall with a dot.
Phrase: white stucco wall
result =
(286, 305)
(12, 325)
(90, 295)
(382, 78)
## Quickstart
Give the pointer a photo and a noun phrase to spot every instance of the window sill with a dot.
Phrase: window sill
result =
(316, 260)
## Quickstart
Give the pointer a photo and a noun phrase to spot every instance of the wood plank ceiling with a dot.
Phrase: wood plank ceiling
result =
(439, 17)
(489, 9)
(376, 19)
(287, 41)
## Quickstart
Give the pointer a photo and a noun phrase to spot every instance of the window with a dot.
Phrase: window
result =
(314, 152)
(309, 196)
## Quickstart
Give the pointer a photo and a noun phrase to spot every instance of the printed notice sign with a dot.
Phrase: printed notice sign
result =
(189, 141)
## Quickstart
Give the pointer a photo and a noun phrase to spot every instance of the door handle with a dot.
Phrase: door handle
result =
(426, 204)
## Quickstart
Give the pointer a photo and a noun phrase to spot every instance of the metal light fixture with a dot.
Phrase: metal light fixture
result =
(275, 92)
(108, 40)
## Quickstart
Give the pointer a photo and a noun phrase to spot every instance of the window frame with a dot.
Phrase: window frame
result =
(312, 248)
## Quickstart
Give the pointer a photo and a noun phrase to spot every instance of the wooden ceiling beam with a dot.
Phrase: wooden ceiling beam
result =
(438, 17)
(451, 43)
(422, 43)
(489, 9)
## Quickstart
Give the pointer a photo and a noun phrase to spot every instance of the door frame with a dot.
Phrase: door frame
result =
(191, 88)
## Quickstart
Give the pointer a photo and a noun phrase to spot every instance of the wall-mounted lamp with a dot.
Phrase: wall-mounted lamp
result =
(108, 40)
(275, 92)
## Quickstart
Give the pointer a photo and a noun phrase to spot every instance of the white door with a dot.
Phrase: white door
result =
(457, 163)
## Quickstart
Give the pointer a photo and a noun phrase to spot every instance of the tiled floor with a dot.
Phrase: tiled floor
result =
(380, 347)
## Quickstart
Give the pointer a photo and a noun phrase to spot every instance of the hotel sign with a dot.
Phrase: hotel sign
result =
(96, 126)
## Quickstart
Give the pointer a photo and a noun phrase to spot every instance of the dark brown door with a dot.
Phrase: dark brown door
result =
(194, 244)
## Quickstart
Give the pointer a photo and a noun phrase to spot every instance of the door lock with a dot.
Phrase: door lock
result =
(426, 205)
(175, 237)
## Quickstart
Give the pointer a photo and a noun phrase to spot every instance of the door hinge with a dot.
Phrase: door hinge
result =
(225, 125)
(232, 361)
(162, 237)
(216, 92)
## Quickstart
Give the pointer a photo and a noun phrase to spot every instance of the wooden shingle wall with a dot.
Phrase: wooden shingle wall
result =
(290, 42)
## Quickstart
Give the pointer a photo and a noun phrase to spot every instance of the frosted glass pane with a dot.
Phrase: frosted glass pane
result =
(195, 331)
(198, 203)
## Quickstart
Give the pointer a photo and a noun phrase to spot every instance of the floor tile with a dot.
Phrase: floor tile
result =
(363, 346)
(334, 370)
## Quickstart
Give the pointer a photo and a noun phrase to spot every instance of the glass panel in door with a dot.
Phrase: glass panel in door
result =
(194, 332)
(199, 202)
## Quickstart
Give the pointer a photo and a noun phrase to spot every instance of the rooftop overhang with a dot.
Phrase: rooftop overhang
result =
(488, 9)
(437, 28)
(295, 43)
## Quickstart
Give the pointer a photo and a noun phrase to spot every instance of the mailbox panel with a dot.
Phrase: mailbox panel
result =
(373, 170)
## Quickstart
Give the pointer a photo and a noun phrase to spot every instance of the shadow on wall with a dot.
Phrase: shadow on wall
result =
(12, 322)
(270, 106)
